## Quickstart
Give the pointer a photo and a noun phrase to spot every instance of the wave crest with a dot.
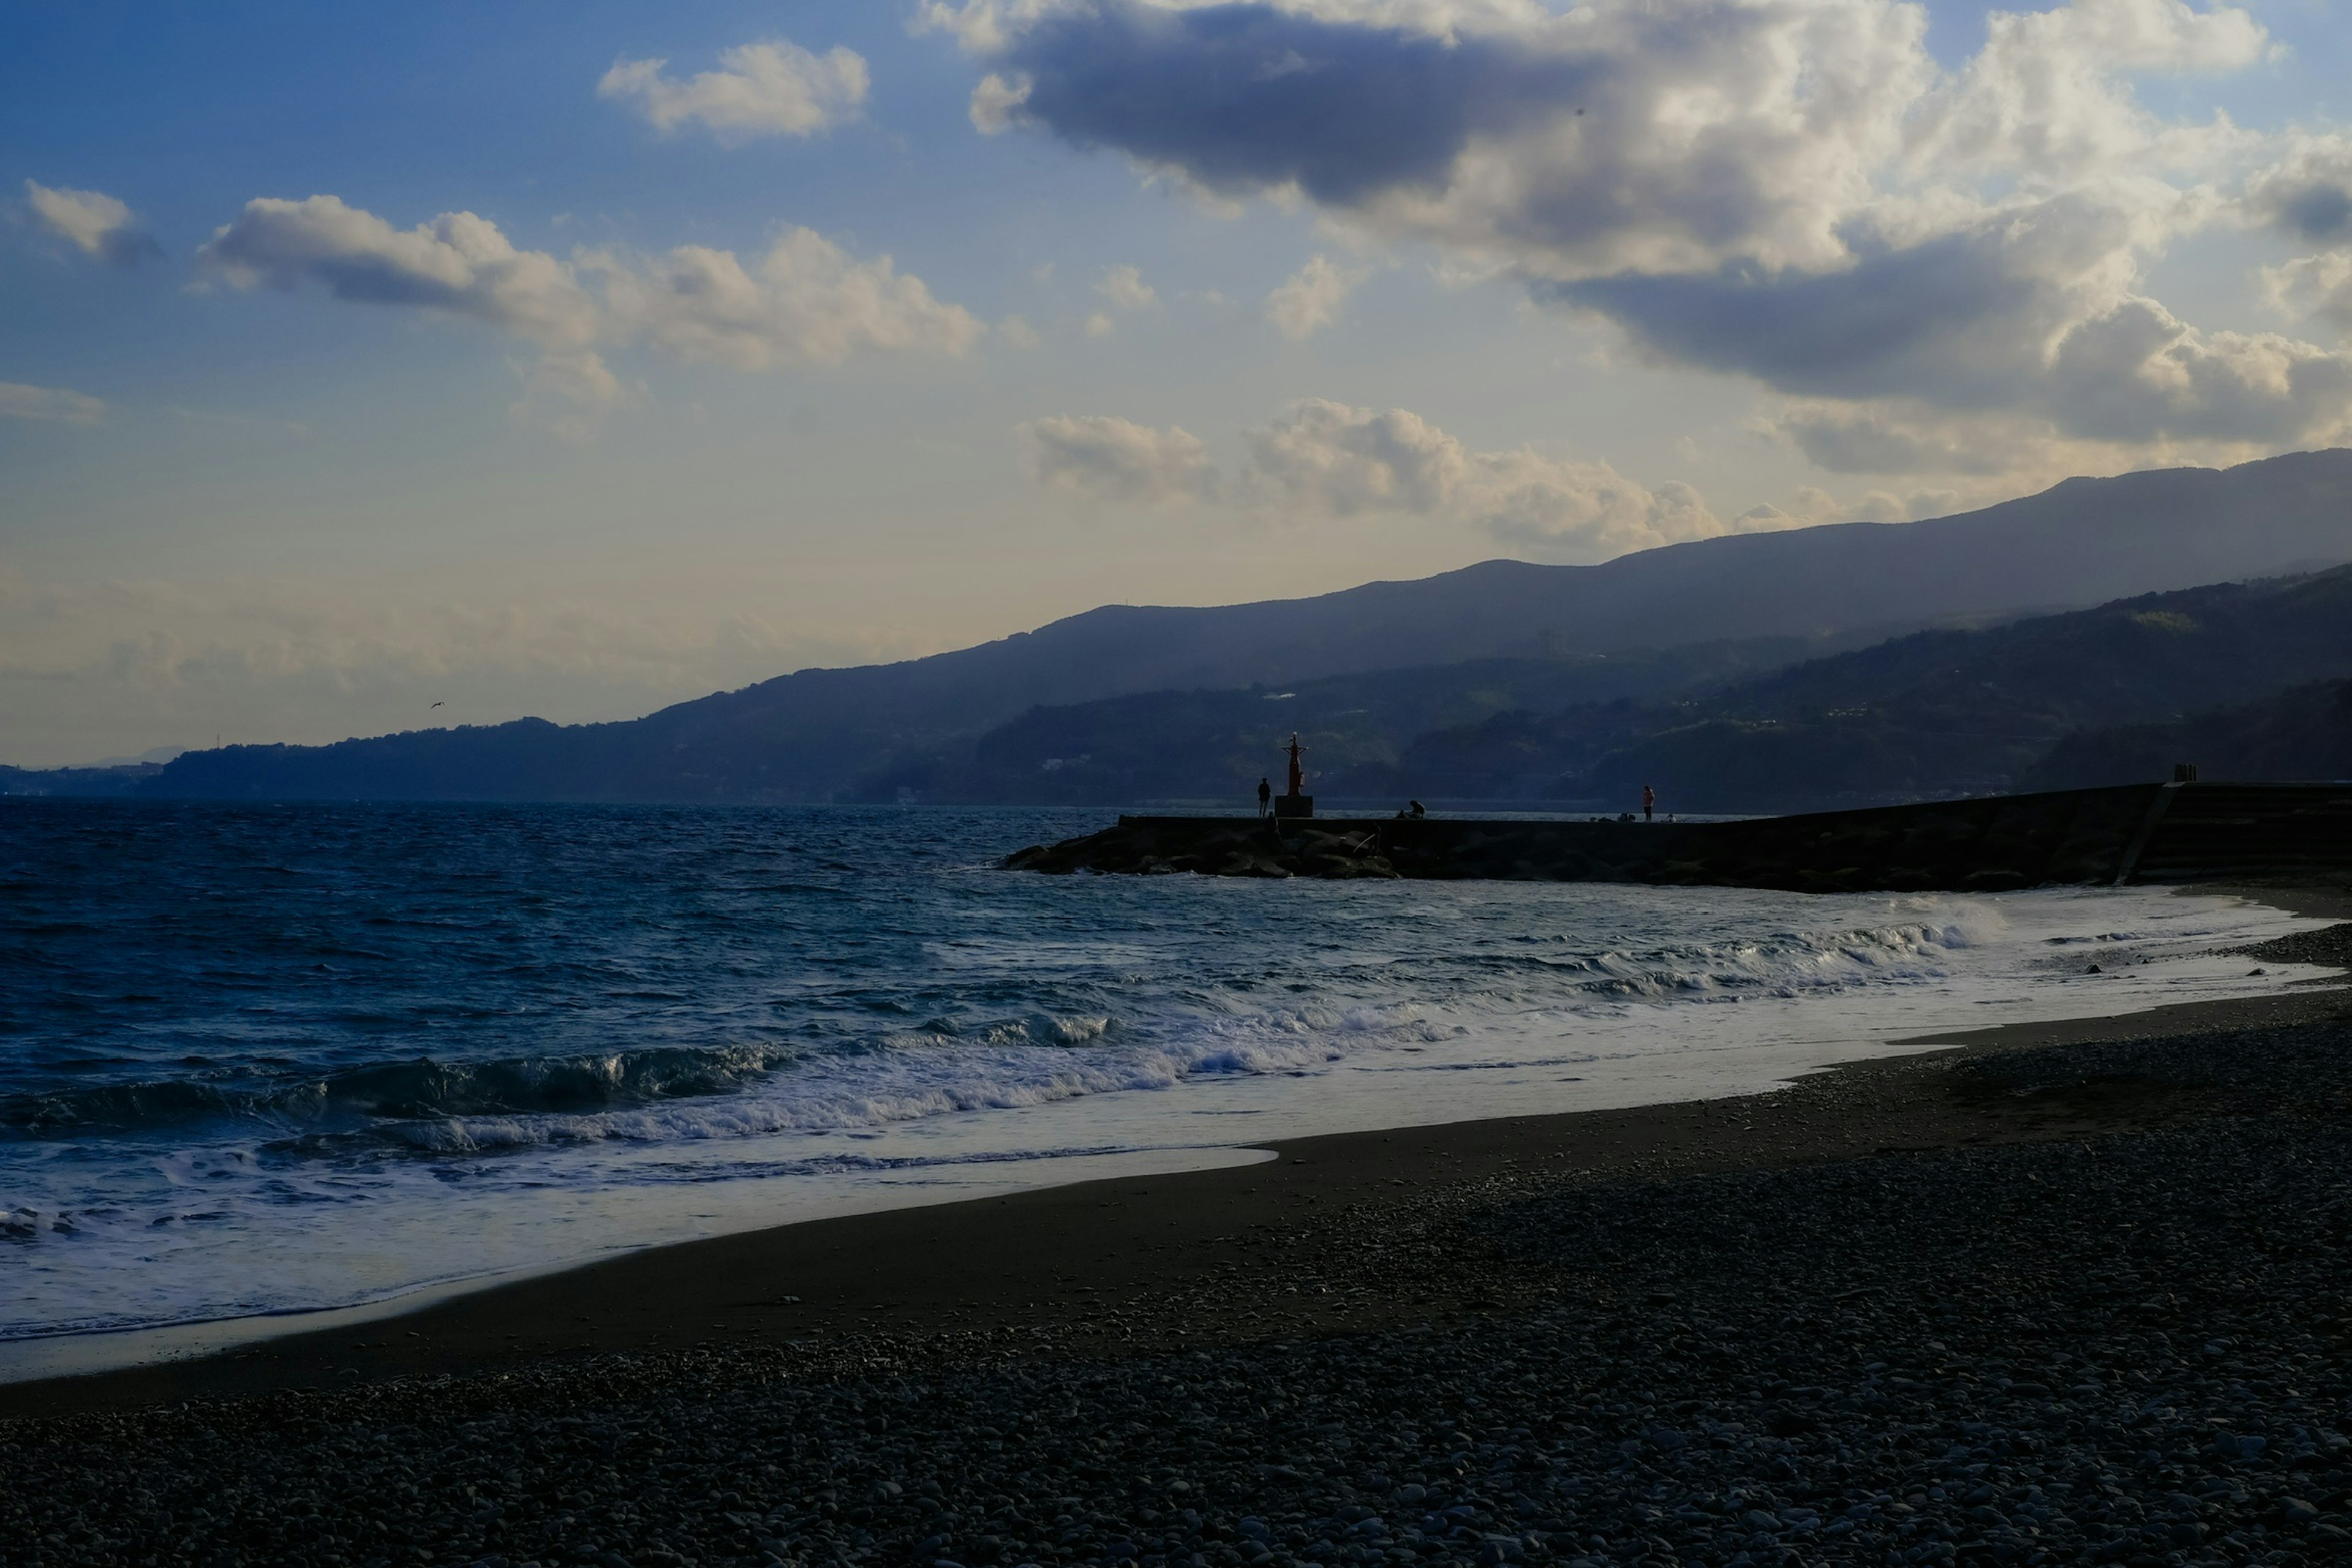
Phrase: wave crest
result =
(422, 1088)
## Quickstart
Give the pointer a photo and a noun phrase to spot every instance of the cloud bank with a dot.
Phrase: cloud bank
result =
(457, 263)
(1790, 190)
(806, 301)
(1321, 459)
(1330, 458)
(1111, 460)
(772, 89)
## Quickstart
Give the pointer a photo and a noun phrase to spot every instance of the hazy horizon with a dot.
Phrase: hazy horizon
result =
(572, 367)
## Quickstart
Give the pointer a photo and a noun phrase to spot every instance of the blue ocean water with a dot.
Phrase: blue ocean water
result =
(264, 1059)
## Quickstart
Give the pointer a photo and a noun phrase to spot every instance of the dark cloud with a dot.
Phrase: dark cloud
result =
(2319, 212)
(1243, 97)
(1865, 332)
(2307, 195)
(1671, 135)
(129, 247)
(1988, 319)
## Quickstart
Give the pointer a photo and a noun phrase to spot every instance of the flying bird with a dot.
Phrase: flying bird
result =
(430, 709)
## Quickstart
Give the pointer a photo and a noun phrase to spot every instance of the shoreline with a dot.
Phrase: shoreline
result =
(1043, 1261)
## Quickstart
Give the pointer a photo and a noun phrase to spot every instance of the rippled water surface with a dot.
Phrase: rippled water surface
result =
(267, 1059)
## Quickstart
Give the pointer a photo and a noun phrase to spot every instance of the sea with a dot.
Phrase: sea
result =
(266, 1068)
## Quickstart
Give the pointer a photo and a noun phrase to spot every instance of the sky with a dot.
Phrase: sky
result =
(574, 358)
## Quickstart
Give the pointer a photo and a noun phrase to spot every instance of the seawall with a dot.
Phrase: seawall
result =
(2131, 833)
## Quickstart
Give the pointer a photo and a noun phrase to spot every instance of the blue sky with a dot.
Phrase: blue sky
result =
(1181, 304)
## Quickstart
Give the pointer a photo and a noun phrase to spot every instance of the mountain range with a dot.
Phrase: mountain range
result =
(1940, 713)
(1514, 638)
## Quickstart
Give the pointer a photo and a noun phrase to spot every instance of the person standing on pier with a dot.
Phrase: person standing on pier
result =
(1265, 797)
(1649, 804)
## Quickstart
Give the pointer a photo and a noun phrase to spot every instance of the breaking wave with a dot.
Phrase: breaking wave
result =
(570, 1085)
(945, 1066)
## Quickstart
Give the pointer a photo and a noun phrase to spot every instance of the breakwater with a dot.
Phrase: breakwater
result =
(2143, 833)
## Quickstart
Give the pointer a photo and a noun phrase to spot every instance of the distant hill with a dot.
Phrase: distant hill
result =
(1214, 744)
(2302, 733)
(1935, 713)
(814, 734)
(112, 779)
(104, 782)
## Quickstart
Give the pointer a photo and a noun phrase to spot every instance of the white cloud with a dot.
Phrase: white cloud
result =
(994, 104)
(1330, 458)
(1125, 289)
(2046, 97)
(457, 263)
(1115, 459)
(2139, 372)
(805, 301)
(1811, 505)
(19, 401)
(1931, 462)
(1887, 438)
(1321, 459)
(774, 88)
(96, 223)
(1017, 334)
(1100, 325)
(568, 394)
(1310, 300)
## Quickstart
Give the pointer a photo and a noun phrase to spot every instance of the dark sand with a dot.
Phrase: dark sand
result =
(1064, 1258)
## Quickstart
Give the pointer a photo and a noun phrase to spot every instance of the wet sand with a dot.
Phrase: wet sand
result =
(1117, 1263)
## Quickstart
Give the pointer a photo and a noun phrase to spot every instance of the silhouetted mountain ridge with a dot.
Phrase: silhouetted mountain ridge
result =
(1215, 743)
(2305, 733)
(1936, 713)
(809, 735)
